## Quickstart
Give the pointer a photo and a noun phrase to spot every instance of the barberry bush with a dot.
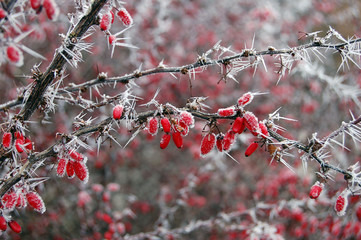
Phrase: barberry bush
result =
(180, 119)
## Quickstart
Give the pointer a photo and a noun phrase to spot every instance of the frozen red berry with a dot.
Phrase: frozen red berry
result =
(183, 128)
(21, 200)
(15, 226)
(165, 124)
(238, 125)
(219, 142)
(3, 13)
(341, 203)
(226, 112)
(76, 156)
(118, 111)
(28, 144)
(7, 139)
(19, 145)
(35, 201)
(9, 200)
(177, 139)
(70, 169)
(3, 224)
(125, 17)
(263, 130)
(51, 9)
(81, 171)
(105, 22)
(228, 140)
(251, 148)
(245, 99)
(111, 39)
(208, 143)
(60, 170)
(164, 141)
(316, 190)
(251, 122)
(187, 118)
(153, 126)
(15, 55)
(36, 4)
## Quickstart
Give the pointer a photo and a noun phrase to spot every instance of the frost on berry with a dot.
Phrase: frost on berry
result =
(60, 170)
(228, 140)
(251, 148)
(51, 9)
(226, 112)
(316, 190)
(36, 4)
(341, 203)
(187, 118)
(15, 55)
(81, 171)
(177, 139)
(35, 201)
(105, 22)
(207, 144)
(125, 17)
(153, 126)
(251, 122)
(7, 139)
(70, 169)
(117, 112)
(111, 40)
(9, 200)
(3, 13)
(238, 125)
(15, 226)
(165, 125)
(21, 200)
(28, 144)
(182, 128)
(245, 99)
(164, 141)
(263, 130)
(3, 224)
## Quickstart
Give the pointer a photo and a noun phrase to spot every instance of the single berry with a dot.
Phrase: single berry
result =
(76, 156)
(19, 145)
(178, 139)
(251, 122)
(219, 142)
(15, 55)
(153, 126)
(7, 139)
(165, 124)
(3, 13)
(251, 148)
(36, 4)
(187, 118)
(238, 125)
(226, 112)
(51, 9)
(3, 224)
(60, 170)
(28, 144)
(70, 169)
(117, 112)
(164, 141)
(208, 143)
(341, 203)
(263, 129)
(125, 17)
(316, 190)
(81, 171)
(228, 140)
(35, 201)
(245, 99)
(15, 226)
(105, 22)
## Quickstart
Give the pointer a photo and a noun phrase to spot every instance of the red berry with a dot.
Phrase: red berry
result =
(153, 126)
(187, 118)
(316, 190)
(165, 141)
(19, 135)
(36, 4)
(51, 9)
(226, 112)
(208, 143)
(251, 122)
(125, 17)
(245, 99)
(60, 170)
(15, 226)
(7, 139)
(15, 55)
(28, 144)
(9, 200)
(70, 169)
(177, 139)
(165, 125)
(3, 224)
(263, 129)
(21, 201)
(251, 148)
(183, 128)
(81, 171)
(238, 125)
(228, 140)
(36, 201)
(3, 13)
(111, 39)
(219, 142)
(76, 156)
(19, 145)
(117, 112)
(105, 22)
(341, 203)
